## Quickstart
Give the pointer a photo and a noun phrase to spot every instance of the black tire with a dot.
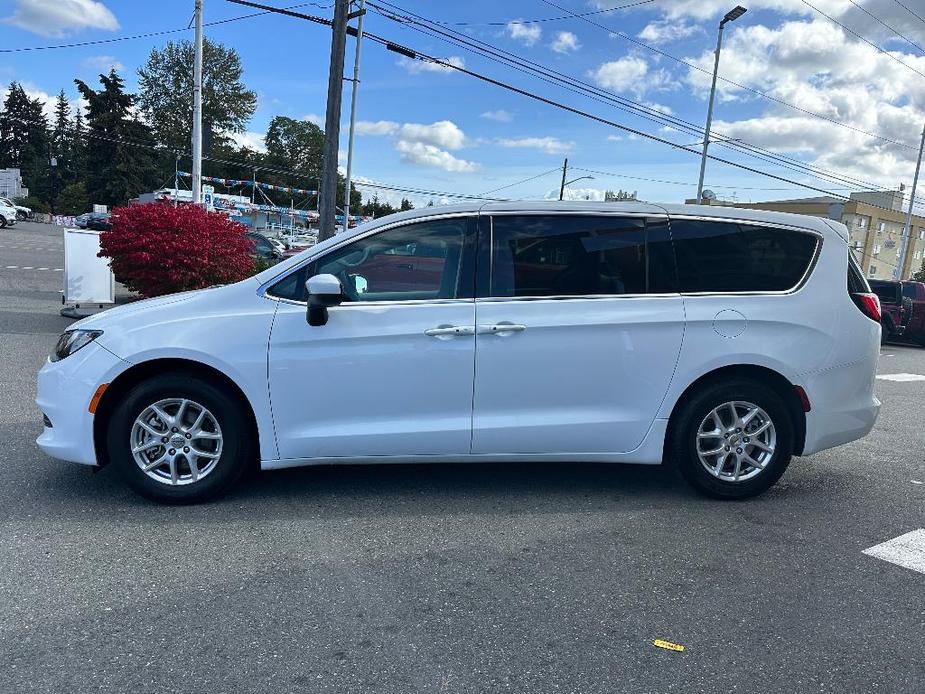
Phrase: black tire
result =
(238, 449)
(2, 222)
(688, 418)
(886, 330)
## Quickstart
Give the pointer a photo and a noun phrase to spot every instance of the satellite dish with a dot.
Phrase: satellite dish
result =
(708, 195)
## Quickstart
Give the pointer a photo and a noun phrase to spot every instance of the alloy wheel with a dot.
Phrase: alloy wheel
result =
(736, 441)
(176, 441)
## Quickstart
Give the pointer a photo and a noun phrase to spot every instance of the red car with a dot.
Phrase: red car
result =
(894, 312)
(914, 297)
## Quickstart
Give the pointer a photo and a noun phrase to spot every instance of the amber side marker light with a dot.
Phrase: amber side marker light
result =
(95, 400)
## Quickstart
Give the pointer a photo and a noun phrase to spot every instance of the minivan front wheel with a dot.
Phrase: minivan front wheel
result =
(179, 439)
(733, 440)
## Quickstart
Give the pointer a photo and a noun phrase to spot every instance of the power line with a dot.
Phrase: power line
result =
(753, 90)
(907, 9)
(583, 88)
(548, 19)
(687, 184)
(517, 183)
(152, 34)
(880, 21)
(416, 55)
(868, 42)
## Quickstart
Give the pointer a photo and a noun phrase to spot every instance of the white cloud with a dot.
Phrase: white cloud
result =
(527, 34)
(565, 42)
(631, 74)
(379, 127)
(500, 115)
(814, 65)
(416, 67)
(57, 18)
(250, 139)
(429, 155)
(315, 119)
(595, 194)
(614, 138)
(666, 31)
(103, 63)
(443, 133)
(550, 145)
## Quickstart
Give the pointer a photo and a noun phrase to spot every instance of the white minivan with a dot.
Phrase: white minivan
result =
(723, 341)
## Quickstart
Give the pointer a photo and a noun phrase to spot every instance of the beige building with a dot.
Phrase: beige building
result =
(875, 220)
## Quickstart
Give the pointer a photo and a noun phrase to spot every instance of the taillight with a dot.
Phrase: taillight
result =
(869, 305)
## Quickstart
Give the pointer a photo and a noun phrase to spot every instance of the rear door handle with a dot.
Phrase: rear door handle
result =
(450, 331)
(500, 329)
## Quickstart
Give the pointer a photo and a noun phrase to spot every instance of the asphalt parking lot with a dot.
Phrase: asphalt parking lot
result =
(480, 578)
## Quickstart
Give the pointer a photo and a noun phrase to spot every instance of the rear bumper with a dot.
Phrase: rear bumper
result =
(64, 391)
(844, 407)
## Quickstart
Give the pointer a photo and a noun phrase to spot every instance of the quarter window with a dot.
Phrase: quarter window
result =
(413, 262)
(578, 255)
(728, 257)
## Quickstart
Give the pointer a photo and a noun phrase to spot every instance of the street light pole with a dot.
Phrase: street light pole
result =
(327, 196)
(907, 229)
(564, 174)
(197, 108)
(353, 111)
(730, 16)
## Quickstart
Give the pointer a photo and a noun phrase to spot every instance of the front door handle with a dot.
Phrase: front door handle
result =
(445, 331)
(500, 329)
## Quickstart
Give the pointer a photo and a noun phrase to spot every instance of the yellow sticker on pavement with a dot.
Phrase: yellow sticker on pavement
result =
(668, 645)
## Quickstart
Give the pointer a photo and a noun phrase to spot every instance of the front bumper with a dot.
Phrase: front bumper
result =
(64, 391)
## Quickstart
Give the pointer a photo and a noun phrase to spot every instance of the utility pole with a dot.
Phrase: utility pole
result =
(730, 16)
(907, 229)
(564, 172)
(327, 200)
(197, 108)
(353, 111)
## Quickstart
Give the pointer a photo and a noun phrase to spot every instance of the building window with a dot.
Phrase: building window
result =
(862, 222)
(876, 249)
(873, 270)
(921, 234)
(917, 255)
(881, 227)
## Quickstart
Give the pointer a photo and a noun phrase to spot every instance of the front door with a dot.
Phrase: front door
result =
(389, 374)
(578, 333)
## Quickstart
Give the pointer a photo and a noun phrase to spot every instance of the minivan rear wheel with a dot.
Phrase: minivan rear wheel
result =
(179, 439)
(733, 439)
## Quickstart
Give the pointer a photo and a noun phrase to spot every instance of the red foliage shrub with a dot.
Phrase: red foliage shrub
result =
(159, 249)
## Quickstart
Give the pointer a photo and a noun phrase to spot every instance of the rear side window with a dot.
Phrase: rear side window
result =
(727, 257)
(887, 292)
(578, 255)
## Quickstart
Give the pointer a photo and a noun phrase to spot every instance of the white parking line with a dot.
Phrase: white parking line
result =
(906, 550)
(902, 378)
(17, 267)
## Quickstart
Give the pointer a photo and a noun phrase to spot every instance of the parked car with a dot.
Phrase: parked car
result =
(914, 294)
(80, 221)
(99, 221)
(893, 308)
(263, 247)
(22, 212)
(7, 215)
(723, 341)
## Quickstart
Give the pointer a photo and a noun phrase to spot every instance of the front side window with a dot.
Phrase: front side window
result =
(420, 261)
(723, 257)
(576, 255)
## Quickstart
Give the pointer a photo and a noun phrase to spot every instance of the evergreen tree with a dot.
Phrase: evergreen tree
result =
(77, 147)
(406, 205)
(24, 140)
(120, 160)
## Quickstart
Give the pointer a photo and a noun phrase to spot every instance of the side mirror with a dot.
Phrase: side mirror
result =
(323, 291)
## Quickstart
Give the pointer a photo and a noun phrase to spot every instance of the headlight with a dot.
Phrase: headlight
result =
(73, 340)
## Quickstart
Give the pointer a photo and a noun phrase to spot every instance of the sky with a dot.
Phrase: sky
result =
(787, 71)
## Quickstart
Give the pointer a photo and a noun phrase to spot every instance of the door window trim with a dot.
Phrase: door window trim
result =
(466, 260)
